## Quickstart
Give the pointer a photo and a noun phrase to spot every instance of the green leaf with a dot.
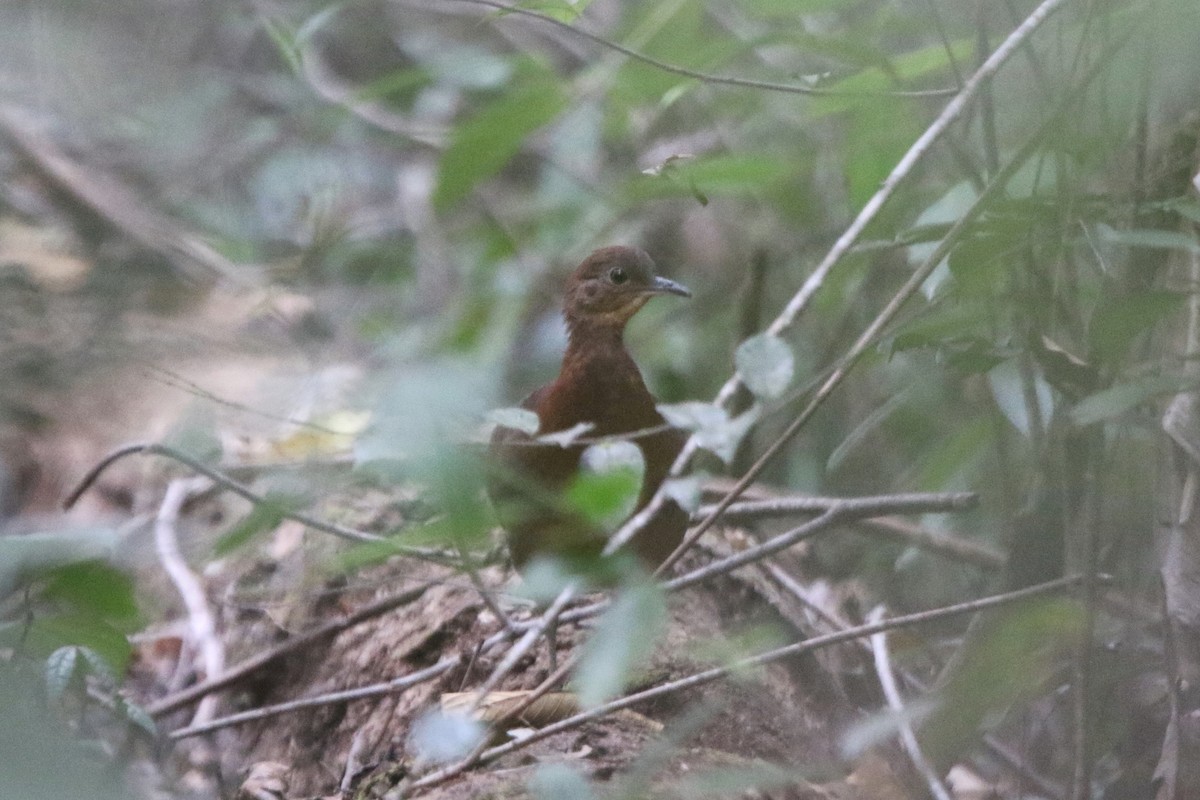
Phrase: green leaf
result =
(61, 668)
(606, 490)
(482, 145)
(264, 516)
(98, 588)
(624, 637)
(1150, 238)
(21, 556)
(1119, 320)
(765, 364)
(1116, 400)
(561, 10)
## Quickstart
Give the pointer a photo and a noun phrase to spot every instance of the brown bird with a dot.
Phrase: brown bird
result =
(599, 383)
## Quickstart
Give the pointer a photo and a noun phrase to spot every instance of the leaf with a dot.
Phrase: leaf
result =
(566, 438)
(606, 490)
(624, 637)
(1117, 399)
(21, 556)
(1008, 390)
(263, 517)
(483, 144)
(713, 428)
(521, 419)
(1119, 320)
(766, 365)
(686, 492)
(441, 736)
(561, 10)
(61, 666)
(137, 715)
(1149, 238)
(558, 781)
(98, 666)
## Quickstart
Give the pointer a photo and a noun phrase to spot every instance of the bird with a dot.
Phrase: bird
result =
(599, 383)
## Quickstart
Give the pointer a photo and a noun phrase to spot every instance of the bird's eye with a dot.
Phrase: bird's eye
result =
(617, 275)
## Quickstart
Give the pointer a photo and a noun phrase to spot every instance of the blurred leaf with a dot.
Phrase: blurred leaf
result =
(757, 780)
(871, 85)
(83, 629)
(713, 428)
(96, 586)
(521, 419)
(482, 145)
(1008, 390)
(263, 517)
(562, 10)
(765, 364)
(624, 637)
(136, 715)
(1009, 655)
(864, 429)
(1118, 320)
(1153, 239)
(945, 465)
(456, 62)
(882, 727)
(605, 491)
(557, 782)
(439, 736)
(61, 668)
(686, 492)
(329, 435)
(545, 577)
(21, 556)
(566, 438)
(721, 175)
(1121, 397)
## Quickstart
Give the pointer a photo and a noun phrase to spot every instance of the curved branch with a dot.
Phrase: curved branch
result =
(703, 77)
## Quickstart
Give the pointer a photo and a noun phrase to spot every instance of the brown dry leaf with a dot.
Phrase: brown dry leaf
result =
(544, 711)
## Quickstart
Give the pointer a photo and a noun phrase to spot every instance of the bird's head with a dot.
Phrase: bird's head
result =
(612, 284)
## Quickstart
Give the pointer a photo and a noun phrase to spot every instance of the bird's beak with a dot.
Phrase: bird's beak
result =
(666, 286)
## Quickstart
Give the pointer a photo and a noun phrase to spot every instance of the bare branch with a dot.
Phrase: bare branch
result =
(294, 644)
(345, 696)
(771, 656)
(703, 77)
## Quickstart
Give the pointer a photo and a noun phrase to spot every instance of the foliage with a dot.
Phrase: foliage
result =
(428, 173)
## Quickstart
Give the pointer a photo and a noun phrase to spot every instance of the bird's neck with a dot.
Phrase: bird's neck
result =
(595, 342)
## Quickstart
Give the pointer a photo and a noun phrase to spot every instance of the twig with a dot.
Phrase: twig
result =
(229, 484)
(954, 547)
(849, 237)
(703, 77)
(997, 748)
(201, 625)
(301, 641)
(771, 656)
(548, 620)
(838, 512)
(887, 681)
(353, 760)
(910, 287)
(345, 696)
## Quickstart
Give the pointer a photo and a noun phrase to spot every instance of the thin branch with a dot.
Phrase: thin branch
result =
(916, 153)
(910, 287)
(201, 624)
(891, 692)
(548, 620)
(294, 644)
(243, 491)
(768, 657)
(345, 696)
(703, 77)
